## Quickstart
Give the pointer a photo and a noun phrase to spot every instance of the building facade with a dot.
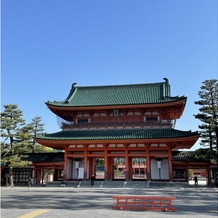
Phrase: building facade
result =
(123, 132)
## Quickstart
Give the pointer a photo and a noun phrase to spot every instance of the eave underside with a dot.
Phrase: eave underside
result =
(175, 144)
(173, 110)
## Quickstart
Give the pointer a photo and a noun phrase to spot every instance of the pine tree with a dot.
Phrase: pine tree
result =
(208, 113)
(17, 138)
(37, 127)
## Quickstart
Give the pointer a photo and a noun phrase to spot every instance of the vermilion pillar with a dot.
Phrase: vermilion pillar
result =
(208, 175)
(105, 162)
(148, 163)
(71, 171)
(65, 162)
(127, 162)
(186, 169)
(53, 167)
(34, 174)
(110, 173)
(38, 176)
(170, 163)
(130, 168)
(85, 162)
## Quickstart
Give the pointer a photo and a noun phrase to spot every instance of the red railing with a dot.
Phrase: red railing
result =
(144, 203)
(114, 124)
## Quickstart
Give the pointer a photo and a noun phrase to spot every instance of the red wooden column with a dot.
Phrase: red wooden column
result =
(130, 168)
(91, 167)
(127, 162)
(71, 171)
(208, 175)
(110, 170)
(38, 176)
(42, 175)
(34, 175)
(65, 162)
(85, 162)
(170, 163)
(148, 163)
(186, 169)
(105, 162)
(53, 167)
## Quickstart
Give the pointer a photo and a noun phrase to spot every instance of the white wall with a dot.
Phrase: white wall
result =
(164, 170)
(69, 164)
(74, 170)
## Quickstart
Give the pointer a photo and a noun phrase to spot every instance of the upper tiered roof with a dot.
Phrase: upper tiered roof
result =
(115, 95)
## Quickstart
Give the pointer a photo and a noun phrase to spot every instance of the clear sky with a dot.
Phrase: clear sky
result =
(46, 45)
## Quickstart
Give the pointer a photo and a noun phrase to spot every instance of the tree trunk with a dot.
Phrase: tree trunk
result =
(216, 130)
(11, 180)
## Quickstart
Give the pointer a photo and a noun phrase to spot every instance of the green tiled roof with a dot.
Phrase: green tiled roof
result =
(59, 157)
(187, 156)
(116, 134)
(45, 157)
(134, 94)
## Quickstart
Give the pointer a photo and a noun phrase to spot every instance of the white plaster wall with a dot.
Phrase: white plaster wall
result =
(155, 171)
(69, 168)
(74, 170)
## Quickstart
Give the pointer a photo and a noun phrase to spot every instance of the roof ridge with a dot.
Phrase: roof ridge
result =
(119, 85)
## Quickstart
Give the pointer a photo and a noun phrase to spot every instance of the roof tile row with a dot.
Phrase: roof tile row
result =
(59, 157)
(117, 134)
(150, 93)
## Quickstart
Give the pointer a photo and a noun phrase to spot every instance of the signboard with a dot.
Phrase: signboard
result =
(116, 113)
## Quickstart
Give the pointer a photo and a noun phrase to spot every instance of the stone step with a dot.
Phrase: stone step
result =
(53, 184)
(135, 184)
(113, 184)
(87, 184)
(62, 184)
(169, 184)
(116, 184)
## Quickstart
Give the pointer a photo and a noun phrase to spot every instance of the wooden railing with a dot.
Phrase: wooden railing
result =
(115, 124)
(144, 203)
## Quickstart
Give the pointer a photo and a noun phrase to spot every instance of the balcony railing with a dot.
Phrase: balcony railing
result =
(115, 124)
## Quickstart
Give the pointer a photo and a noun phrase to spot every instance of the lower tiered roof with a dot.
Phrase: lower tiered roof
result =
(182, 139)
(186, 156)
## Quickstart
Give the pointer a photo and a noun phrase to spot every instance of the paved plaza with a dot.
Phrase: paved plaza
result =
(44, 202)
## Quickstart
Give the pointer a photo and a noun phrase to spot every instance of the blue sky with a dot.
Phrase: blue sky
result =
(46, 45)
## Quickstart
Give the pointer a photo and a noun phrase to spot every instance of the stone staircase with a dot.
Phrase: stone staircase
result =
(113, 184)
(135, 184)
(87, 184)
(62, 184)
(116, 184)
(169, 184)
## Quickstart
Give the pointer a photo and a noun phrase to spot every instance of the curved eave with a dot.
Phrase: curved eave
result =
(176, 143)
(188, 156)
(179, 104)
(71, 107)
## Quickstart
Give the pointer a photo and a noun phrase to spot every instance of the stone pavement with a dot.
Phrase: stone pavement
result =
(199, 202)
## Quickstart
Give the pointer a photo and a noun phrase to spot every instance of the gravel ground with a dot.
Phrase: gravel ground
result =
(66, 202)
